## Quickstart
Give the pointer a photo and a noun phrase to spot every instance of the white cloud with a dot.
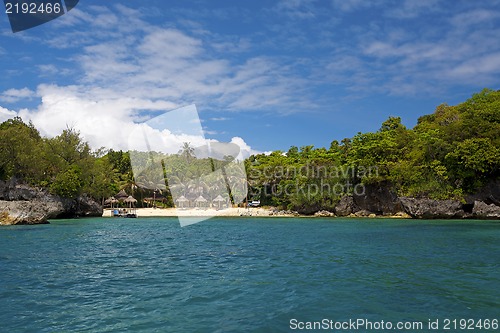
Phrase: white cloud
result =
(48, 69)
(148, 62)
(429, 60)
(169, 44)
(105, 120)
(474, 17)
(15, 95)
(6, 114)
(478, 67)
(130, 69)
(245, 149)
(134, 72)
(51, 70)
(210, 132)
(219, 118)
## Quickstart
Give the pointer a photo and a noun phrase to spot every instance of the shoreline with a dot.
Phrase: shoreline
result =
(209, 212)
(239, 212)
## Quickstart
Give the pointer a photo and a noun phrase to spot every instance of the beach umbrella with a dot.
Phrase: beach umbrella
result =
(122, 195)
(110, 201)
(181, 201)
(130, 200)
(219, 200)
(201, 201)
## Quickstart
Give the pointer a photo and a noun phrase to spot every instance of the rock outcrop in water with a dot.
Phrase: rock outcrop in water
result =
(23, 204)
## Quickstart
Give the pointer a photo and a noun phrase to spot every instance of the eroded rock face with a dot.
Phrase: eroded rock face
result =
(13, 191)
(23, 204)
(489, 194)
(29, 212)
(485, 211)
(378, 199)
(307, 210)
(345, 207)
(88, 207)
(432, 209)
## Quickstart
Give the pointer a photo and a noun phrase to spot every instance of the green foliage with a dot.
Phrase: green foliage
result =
(67, 183)
(120, 161)
(103, 179)
(448, 154)
(64, 164)
(20, 146)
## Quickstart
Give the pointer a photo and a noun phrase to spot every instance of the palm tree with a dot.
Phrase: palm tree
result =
(187, 151)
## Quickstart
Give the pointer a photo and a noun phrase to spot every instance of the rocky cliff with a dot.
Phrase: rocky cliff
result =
(380, 200)
(424, 208)
(485, 211)
(23, 204)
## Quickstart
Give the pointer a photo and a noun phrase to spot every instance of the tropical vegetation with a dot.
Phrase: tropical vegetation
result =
(448, 154)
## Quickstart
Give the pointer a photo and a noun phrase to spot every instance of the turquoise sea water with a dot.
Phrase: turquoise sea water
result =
(244, 274)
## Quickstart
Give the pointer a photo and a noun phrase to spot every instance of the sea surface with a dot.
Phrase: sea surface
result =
(246, 274)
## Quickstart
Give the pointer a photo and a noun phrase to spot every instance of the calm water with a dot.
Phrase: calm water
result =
(243, 275)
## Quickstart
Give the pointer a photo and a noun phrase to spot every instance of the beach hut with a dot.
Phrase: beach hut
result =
(122, 195)
(181, 201)
(219, 200)
(130, 200)
(153, 200)
(110, 201)
(201, 202)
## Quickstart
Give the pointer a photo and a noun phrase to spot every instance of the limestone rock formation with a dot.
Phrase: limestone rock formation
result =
(23, 204)
(432, 209)
(485, 211)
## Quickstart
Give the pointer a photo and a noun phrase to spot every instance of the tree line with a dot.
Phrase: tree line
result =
(448, 154)
(65, 164)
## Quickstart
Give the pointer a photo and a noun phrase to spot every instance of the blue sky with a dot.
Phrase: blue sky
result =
(263, 74)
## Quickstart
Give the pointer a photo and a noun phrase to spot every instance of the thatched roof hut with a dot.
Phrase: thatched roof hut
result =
(110, 201)
(130, 200)
(181, 201)
(122, 195)
(201, 201)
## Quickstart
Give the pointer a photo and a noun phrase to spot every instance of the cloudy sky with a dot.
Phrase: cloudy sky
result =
(263, 74)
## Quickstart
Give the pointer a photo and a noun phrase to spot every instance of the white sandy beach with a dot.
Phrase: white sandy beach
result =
(174, 212)
(233, 212)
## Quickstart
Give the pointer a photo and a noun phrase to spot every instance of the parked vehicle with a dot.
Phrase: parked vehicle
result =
(254, 203)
